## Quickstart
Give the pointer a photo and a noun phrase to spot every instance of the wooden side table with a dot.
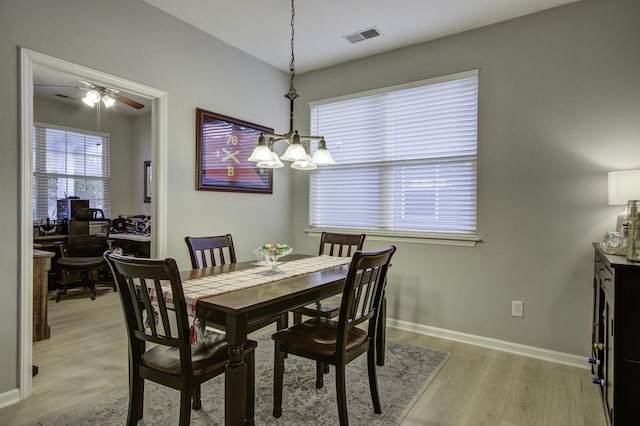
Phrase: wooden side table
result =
(41, 264)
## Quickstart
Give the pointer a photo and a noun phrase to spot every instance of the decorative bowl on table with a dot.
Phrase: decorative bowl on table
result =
(273, 252)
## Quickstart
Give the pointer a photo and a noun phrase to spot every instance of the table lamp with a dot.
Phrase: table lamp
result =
(624, 185)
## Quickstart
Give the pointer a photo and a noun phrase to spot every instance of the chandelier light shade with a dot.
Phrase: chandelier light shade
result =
(261, 152)
(322, 155)
(271, 163)
(297, 151)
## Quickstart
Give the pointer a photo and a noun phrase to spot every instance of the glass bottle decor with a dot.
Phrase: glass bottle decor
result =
(633, 231)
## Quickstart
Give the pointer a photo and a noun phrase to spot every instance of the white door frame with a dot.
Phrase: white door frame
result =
(28, 60)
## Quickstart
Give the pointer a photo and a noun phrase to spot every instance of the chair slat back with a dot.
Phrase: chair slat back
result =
(211, 251)
(151, 321)
(342, 245)
(363, 289)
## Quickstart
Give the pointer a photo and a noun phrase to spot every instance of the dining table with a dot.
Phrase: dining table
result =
(240, 304)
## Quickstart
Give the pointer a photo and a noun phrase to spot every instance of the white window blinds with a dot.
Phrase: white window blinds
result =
(407, 160)
(69, 162)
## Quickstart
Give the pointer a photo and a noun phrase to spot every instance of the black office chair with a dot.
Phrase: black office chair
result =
(82, 260)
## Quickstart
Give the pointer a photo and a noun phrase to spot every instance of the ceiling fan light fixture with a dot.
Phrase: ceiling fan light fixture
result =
(108, 101)
(91, 98)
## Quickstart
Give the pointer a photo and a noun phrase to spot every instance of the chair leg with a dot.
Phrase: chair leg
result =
(283, 321)
(61, 292)
(320, 368)
(381, 332)
(278, 373)
(197, 401)
(251, 388)
(341, 394)
(185, 407)
(373, 379)
(136, 396)
(297, 318)
(88, 283)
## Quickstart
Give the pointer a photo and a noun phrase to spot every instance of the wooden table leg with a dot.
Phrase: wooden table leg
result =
(235, 374)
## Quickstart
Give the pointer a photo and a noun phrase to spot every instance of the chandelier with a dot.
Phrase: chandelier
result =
(297, 151)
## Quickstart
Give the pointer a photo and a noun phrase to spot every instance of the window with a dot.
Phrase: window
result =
(69, 162)
(407, 160)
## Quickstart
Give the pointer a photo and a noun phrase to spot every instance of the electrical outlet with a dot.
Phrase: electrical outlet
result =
(517, 308)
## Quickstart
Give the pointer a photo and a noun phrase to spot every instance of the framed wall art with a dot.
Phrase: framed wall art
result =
(223, 145)
(147, 181)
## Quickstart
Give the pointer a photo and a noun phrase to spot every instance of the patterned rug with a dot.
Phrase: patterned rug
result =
(407, 371)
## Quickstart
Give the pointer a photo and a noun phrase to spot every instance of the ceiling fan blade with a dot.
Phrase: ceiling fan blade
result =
(51, 85)
(127, 101)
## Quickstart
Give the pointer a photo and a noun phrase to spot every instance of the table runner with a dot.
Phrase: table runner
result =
(213, 285)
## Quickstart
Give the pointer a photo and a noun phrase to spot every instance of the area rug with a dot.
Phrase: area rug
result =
(407, 371)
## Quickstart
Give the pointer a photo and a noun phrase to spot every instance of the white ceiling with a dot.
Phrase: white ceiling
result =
(262, 28)
(65, 88)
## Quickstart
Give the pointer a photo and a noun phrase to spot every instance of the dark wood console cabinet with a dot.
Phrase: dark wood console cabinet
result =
(616, 336)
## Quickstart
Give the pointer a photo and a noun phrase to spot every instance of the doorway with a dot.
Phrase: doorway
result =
(29, 60)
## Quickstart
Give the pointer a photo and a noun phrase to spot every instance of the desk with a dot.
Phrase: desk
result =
(41, 264)
(235, 309)
(132, 244)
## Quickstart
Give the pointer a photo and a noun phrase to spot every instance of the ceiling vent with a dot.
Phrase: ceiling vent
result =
(363, 35)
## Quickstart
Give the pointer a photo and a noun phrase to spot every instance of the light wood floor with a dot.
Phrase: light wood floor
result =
(87, 357)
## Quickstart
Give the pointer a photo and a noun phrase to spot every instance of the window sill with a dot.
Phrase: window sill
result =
(435, 239)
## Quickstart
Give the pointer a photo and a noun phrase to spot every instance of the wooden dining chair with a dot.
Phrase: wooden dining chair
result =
(339, 342)
(331, 244)
(219, 250)
(343, 245)
(211, 251)
(171, 360)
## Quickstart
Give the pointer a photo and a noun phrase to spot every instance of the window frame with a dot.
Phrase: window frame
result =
(40, 193)
(422, 237)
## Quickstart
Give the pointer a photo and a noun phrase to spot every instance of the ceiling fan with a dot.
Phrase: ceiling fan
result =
(95, 94)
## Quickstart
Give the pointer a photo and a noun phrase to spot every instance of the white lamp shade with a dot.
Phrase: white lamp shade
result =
(273, 163)
(295, 152)
(305, 164)
(108, 101)
(91, 98)
(624, 186)
(322, 156)
(261, 153)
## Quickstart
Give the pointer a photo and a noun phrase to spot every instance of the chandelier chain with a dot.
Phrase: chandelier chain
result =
(292, 63)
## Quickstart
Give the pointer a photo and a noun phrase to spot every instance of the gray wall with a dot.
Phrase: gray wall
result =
(559, 107)
(130, 141)
(140, 154)
(559, 103)
(135, 41)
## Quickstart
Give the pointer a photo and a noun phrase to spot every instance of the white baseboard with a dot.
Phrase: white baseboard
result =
(487, 342)
(9, 397)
